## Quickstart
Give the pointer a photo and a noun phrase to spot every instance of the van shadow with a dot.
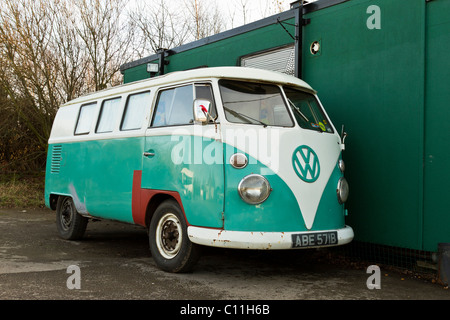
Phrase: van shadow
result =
(265, 263)
(114, 239)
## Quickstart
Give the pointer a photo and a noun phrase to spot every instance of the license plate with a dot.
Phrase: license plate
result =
(304, 240)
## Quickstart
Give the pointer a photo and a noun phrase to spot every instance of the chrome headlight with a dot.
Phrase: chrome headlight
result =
(254, 189)
(342, 190)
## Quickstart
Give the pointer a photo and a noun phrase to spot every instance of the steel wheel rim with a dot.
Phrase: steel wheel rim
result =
(66, 216)
(169, 236)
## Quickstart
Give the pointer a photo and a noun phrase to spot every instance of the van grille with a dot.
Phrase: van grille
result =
(56, 159)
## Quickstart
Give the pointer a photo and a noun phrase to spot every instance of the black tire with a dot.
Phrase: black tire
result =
(170, 246)
(70, 224)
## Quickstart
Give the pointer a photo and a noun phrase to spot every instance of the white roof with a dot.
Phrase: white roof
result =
(239, 73)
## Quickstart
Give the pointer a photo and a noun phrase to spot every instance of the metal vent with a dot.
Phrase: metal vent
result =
(56, 159)
(281, 60)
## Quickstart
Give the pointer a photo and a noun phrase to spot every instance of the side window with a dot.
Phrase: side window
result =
(134, 111)
(174, 107)
(85, 118)
(108, 115)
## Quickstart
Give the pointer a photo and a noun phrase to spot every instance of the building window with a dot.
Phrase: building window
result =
(278, 59)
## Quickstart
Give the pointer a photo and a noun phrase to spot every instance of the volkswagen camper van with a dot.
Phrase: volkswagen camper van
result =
(228, 157)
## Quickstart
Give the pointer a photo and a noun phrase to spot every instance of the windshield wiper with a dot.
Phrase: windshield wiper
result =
(244, 116)
(298, 110)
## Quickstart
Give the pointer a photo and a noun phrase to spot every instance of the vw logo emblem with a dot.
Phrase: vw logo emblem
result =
(306, 164)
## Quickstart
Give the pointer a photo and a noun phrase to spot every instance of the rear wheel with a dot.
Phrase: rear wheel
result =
(169, 243)
(70, 224)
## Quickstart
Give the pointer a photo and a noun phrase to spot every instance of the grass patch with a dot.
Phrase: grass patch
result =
(22, 190)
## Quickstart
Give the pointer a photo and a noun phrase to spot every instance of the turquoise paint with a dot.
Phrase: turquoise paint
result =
(99, 174)
(279, 213)
(330, 213)
(207, 184)
(191, 166)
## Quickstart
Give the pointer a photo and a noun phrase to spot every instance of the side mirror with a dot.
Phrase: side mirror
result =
(201, 110)
(343, 135)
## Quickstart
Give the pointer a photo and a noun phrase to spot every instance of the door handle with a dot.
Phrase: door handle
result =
(149, 154)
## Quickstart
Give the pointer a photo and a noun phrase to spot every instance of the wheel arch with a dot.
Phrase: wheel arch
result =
(156, 200)
(53, 201)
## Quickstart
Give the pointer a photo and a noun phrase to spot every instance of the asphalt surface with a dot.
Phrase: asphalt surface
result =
(114, 263)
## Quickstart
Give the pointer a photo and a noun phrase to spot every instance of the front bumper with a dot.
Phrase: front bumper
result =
(258, 240)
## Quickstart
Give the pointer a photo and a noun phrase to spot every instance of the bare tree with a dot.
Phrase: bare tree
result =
(52, 51)
(277, 6)
(72, 58)
(160, 27)
(245, 13)
(205, 20)
(29, 77)
(231, 13)
(106, 38)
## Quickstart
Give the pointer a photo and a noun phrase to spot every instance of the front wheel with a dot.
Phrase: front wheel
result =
(169, 243)
(70, 224)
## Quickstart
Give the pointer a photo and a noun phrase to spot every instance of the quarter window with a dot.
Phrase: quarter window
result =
(204, 91)
(85, 118)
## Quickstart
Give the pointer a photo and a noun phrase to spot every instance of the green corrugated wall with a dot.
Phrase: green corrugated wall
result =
(437, 125)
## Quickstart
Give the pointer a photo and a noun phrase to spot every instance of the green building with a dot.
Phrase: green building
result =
(382, 68)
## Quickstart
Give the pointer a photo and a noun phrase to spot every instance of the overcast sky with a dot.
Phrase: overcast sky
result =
(233, 9)
(255, 9)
